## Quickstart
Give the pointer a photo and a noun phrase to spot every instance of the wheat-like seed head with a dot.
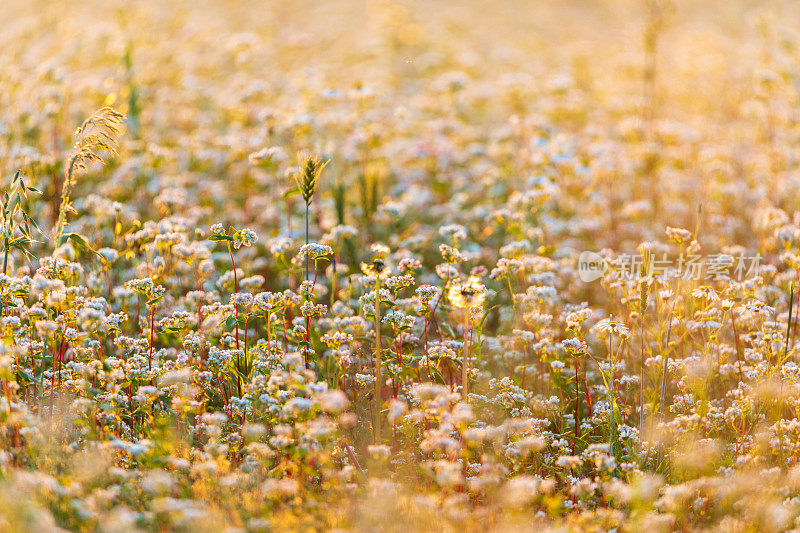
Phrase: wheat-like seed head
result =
(310, 169)
(644, 272)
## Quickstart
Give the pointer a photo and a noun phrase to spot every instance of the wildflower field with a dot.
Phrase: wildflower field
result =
(399, 265)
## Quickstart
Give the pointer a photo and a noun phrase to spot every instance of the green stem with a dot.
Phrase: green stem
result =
(377, 357)
(5, 270)
(307, 240)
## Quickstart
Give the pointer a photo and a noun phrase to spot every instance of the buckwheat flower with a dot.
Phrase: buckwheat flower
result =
(335, 339)
(505, 268)
(217, 307)
(12, 322)
(268, 301)
(314, 251)
(297, 406)
(628, 432)
(569, 461)
(147, 287)
(332, 401)
(454, 232)
(36, 312)
(515, 250)
(252, 282)
(446, 271)
(306, 288)
(426, 293)
(193, 341)
(678, 235)
(280, 246)
(395, 283)
(227, 280)
(344, 356)
(450, 254)
(176, 321)
(542, 293)
(46, 327)
(398, 319)
(524, 336)
(364, 380)
(89, 317)
(166, 241)
(243, 299)
(309, 309)
(214, 419)
(575, 346)
(576, 318)
(245, 237)
(205, 268)
(272, 154)
(157, 292)
(437, 352)
(218, 358)
(520, 491)
(291, 298)
(390, 210)
(217, 229)
(108, 255)
(409, 265)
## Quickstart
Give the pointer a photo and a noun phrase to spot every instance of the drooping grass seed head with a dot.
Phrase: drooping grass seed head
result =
(97, 135)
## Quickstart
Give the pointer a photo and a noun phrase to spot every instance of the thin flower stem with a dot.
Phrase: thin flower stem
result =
(377, 400)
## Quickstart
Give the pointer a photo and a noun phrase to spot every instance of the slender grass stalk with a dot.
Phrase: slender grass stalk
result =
(577, 402)
(789, 320)
(666, 362)
(306, 184)
(644, 293)
(612, 422)
(780, 376)
(236, 326)
(736, 343)
(377, 399)
(466, 354)
(307, 209)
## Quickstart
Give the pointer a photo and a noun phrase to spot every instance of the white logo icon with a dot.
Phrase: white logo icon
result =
(591, 266)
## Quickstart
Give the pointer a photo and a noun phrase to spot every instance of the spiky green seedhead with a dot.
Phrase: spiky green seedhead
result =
(306, 180)
(645, 269)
